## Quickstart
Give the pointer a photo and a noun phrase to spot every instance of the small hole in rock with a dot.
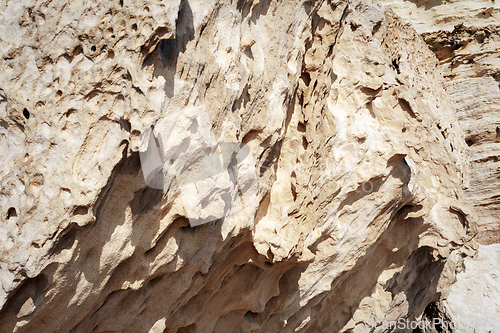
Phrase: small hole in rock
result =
(470, 141)
(77, 51)
(11, 213)
(68, 58)
(333, 77)
(134, 27)
(26, 114)
(395, 63)
(376, 27)
(480, 37)
(58, 93)
(80, 210)
(93, 48)
(69, 112)
(306, 78)
(305, 144)
(354, 26)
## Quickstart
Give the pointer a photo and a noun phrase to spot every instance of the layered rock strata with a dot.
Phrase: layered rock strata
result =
(465, 36)
(345, 212)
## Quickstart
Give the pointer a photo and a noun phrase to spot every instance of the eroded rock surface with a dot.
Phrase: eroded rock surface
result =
(476, 290)
(443, 15)
(465, 35)
(356, 215)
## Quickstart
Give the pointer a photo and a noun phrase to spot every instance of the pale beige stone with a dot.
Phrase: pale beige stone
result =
(443, 15)
(465, 35)
(474, 300)
(354, 211)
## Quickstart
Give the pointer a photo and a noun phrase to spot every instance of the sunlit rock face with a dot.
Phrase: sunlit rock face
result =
(465, 36)
(224, 166)
(435, 15)
(474, 299)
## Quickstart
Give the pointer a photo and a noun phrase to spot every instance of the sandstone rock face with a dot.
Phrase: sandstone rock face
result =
(443, 15)
(465, 35)
(337, 204)
(477, 289)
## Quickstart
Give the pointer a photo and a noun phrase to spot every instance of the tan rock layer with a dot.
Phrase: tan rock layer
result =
(470, 61)
(358, 215)
(465, 36)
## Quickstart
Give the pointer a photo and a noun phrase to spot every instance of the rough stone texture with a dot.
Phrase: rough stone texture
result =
(465, 35)
(357, 215)
(477, 289)
(444, 15)
(473, 302)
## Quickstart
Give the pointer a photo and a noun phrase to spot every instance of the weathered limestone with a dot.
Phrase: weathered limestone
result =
(429, 16)
(474, 300)
(352, 209)
(465, 35)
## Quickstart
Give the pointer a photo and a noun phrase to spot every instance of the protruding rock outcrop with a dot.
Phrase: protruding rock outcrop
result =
(346, 213)
(465, 36)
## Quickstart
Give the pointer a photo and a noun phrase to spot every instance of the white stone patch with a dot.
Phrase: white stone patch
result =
(474, 300)
(215, 179)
